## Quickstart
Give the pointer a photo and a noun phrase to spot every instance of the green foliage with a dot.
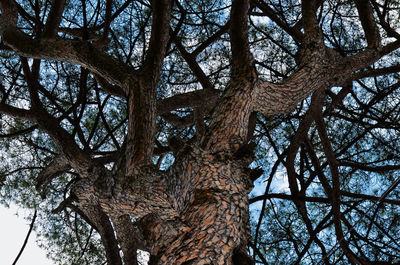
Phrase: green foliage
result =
(363, 129)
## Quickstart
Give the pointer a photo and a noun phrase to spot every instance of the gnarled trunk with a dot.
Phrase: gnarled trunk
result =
(204, 217)
(213, 212)
(197, 211)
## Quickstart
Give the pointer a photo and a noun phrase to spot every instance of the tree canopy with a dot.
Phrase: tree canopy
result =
(120, 122)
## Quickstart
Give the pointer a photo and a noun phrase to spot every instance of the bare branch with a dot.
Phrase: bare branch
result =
(205, 99)
(106, 231)
(210, 40)
(79, 160)
(26, 238)
(18, 113)
(74, 51)
(333, 165)
(58, 165)
(368, 23)
(376, 72)
(292, 31)
(142, 94)
(364, 167)
(242, 59)
(312, 31)
(194, 66)
(53, 19)
(301, 134)
(386, 26)
(108, 18)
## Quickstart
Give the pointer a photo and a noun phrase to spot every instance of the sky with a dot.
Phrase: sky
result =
(13, 230)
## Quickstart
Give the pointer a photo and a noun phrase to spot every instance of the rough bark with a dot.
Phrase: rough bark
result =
(196, 212)
(201, 215)
(142, 91)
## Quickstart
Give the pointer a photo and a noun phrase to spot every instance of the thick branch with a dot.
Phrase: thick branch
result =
(312, 32)
(177, 121)
(205, 99)
(229, 124)
(130, 238)
(106, 231)
(159, 39)
(321, 68)
(333, 165)
(368, 23)
(292, 31)
(73, 51)
(228, 129)
(109, 88)
(79, 160)
(58, 166)
(139, 194)
(377, 72)
(18, 113)
(54, 19)
(242, 59)
(273, 99)
(194, 66)
(142, 94)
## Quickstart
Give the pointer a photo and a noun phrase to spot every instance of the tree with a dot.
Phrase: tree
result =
(145, 124)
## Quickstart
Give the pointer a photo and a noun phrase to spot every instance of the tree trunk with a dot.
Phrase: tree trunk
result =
(202, 216)
(213, 222)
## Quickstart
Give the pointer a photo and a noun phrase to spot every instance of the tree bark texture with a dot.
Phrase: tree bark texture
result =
(196, 212)
(199, 215)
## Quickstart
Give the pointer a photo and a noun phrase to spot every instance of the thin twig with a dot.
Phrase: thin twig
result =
(26, 238)
(383, 196)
